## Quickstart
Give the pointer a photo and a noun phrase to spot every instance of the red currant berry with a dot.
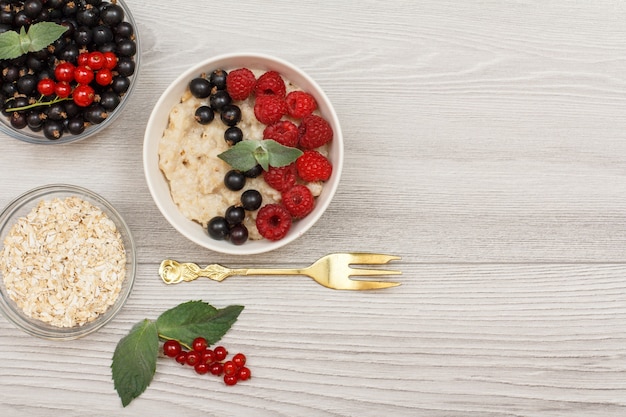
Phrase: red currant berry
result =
(110, 60)
(244, 373)
(201, 368)
(199, 344)
(208, 356)
(220, 353)
(230, 368)
(230, 379)
(63, 89)
(64, 72)
(182, 358)
(171, 348)
(95, 60)
(83, 75)
(216, 368)
(239, 360)
(83, 95)
(193, 358)
(104, 77)
(46, 86)
(83, 59)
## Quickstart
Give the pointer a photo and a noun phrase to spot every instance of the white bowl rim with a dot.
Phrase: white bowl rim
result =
(155, 179)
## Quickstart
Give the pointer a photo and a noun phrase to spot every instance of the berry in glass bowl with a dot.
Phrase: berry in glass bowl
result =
(67, 68)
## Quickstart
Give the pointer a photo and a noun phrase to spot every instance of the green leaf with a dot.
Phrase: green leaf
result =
(134, 361)
(281, 155)
(241, 156)
(10, 45)
(43, 34)
(248, 153)
(39, 36)
(194, 319)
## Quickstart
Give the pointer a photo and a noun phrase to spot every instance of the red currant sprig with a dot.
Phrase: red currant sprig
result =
(205, 360)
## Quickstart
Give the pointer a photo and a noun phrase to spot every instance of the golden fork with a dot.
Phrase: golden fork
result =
(332, 271)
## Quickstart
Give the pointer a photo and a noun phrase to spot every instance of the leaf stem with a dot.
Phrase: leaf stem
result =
(162, 336)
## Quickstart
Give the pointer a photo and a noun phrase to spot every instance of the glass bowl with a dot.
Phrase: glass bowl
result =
(77, 276)
(27, 135)
(159, 186)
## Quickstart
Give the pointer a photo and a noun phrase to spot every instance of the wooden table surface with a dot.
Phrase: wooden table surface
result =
(484, 144)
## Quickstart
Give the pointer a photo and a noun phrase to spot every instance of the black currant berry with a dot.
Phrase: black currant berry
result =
(126, 47)
(32, 8)
(18, 120)
(124, 29)
(102, 34)
(109, 100)
(218, 79)
(112, 14)
(235, 215)
(95, 114)
(125, 66)
(200, 87)
(204, 115)
(219, 99)
(27, 84)
(233, 135)
(230, 115)
(83, 36)
(56, 112)
(254, 172)
(234, 180)
(87, 16)
(53, 129)
(76, 125)
(238, 234)
(120, 84)
(218, 228)
(251, 200)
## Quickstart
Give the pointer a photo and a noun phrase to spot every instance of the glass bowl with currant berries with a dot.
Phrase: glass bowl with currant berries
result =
(67, 262)
(67, 67)
(243, 153)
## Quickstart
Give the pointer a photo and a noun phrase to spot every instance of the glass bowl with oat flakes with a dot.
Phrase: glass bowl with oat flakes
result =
(67, 262)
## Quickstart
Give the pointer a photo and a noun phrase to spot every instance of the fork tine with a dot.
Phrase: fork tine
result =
(371, 258)
(369, 285)
(373, 272)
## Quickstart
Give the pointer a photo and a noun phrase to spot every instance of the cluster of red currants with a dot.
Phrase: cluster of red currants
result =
(74, 80)
(206, 360)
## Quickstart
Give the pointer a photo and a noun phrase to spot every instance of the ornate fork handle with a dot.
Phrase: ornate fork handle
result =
(173, 272)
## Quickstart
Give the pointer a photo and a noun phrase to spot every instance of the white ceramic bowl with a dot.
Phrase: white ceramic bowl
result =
(30, 136)
(157, 123)
(19, 208)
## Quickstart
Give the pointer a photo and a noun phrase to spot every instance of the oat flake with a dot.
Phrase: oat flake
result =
(64, 262)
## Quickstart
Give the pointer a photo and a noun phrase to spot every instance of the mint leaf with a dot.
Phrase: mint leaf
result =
(43, 34)
(10, 45)
(39, 36)
(134, 361)
(241, 156)
(194, 319)
(281, 155)
(248, 153)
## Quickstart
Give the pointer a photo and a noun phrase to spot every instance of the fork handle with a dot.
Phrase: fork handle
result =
(173, 272)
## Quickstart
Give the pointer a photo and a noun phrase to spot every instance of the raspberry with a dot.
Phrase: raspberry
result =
(314, 131)
(283, 132)
(270, 83)
(269, 109)
(281, 178)
(298, 200)
(273, 221)
(240, 83)
(313, 166)
(300, 104)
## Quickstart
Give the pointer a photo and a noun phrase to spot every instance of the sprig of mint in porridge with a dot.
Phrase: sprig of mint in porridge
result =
(187, 332)
(246, 154)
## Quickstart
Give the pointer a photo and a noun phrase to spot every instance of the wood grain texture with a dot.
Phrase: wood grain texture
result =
(484, 143)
